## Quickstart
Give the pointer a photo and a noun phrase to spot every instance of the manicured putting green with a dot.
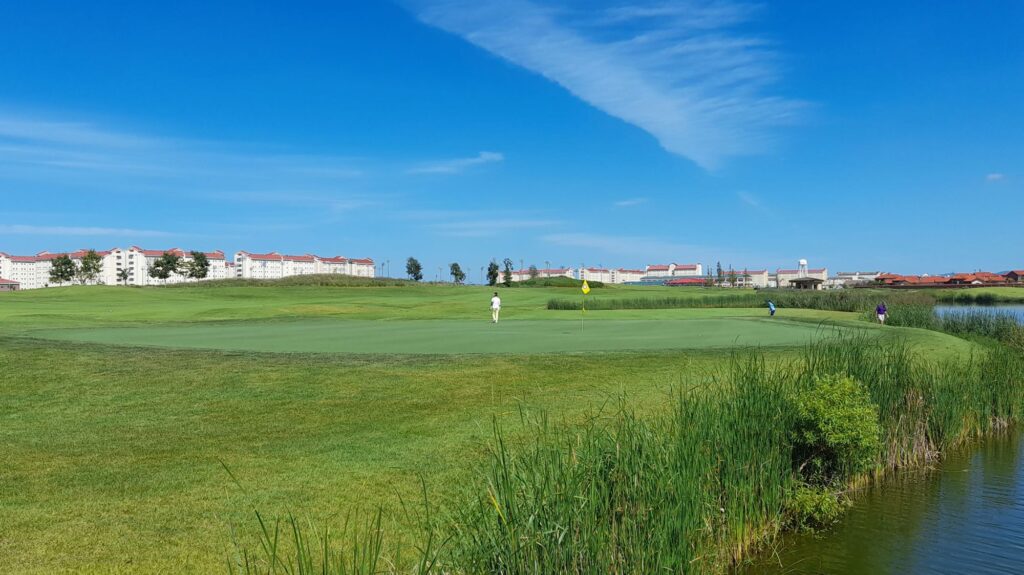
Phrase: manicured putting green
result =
(324, 335)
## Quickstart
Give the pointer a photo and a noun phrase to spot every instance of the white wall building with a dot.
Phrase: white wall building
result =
(596, 275)
(784, 277)
(621, 276)
(750, 278)
(674, 270)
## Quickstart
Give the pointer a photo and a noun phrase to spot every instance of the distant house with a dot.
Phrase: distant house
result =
(806, 282)
(1014, 276)
(9, 285)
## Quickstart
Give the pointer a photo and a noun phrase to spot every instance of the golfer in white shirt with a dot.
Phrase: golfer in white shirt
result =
(495, 307)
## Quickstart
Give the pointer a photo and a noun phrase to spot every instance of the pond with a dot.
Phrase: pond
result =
(964, 516)
(1016, 310)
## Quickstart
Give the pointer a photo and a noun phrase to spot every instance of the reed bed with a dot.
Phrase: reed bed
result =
(695, 488)
(838, 300)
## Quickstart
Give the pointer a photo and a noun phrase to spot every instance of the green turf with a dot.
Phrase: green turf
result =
(460, 336)
(112, 453)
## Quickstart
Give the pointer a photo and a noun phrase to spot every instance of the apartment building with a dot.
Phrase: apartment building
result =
(621, 276)
(673, 270)
(275, 266)
(596, 275)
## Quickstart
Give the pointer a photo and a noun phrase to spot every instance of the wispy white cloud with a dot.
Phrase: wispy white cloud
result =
(488, 227)
(995, 177)
(678, 69)
(457, 165)
(634, 246)
(753, 201)
(55, 150)
(630, 202)
(19, 229)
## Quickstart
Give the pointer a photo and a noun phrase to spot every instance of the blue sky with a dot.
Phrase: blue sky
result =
(869, 135)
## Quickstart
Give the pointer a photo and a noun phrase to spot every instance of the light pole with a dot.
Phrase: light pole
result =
(387, 273)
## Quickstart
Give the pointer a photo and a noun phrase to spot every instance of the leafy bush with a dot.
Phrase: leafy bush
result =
(809, 507)
(837, 433)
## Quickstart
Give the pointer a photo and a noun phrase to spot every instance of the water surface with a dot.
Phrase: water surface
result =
(965, 516)
(1016, 310)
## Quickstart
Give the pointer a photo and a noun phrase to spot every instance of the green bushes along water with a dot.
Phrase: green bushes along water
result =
(762, 447)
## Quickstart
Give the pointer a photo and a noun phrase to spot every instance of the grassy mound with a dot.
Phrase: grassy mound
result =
(559, 282)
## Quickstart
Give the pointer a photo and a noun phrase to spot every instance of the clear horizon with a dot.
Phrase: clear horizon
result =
(613, 134)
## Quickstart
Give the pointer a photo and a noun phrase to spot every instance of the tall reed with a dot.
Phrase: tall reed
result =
(701, 484)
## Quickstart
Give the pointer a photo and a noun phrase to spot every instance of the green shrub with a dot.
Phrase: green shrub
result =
(810, 508)
(837, 433)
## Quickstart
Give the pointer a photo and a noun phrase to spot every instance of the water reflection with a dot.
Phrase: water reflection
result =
(966, 516)
(1001, 309)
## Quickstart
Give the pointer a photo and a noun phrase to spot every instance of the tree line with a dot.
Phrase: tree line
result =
(414, 270)
(63, 269)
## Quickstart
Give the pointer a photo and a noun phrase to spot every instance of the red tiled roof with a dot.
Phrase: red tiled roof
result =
(9, 282)
(272, 256)
(597, 270)
(362, 261)
(306, 258)
(334, 260)
(685, 266)
(1018, 272)
(624, 271)
(23, 259)
(658, 268)
(685, 281)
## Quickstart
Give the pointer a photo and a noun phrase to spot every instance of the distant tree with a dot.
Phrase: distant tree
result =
(719, 274)
(492, 273)
(746, 277)
(62, 269)
(506, 275)
(534, 272)
(458, 276)
(90, 267)
(413, 269)
(122, 275)
(165, 265)
(198, 268)
(732, 277)
(709, 280)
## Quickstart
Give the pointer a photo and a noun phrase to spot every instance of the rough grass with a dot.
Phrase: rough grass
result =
(695, 488)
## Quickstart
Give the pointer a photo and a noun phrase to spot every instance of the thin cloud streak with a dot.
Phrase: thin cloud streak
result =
(490, 227)
(458, 165)
(630, 202)
(20, 229)
(676, 69)
(995, 177)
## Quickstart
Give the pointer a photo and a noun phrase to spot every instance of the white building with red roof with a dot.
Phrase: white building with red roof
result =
(596, 275)
(674, 270)
(622, 275)
(9, 285)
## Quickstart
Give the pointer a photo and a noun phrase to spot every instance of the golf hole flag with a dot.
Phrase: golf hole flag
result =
(586, 287)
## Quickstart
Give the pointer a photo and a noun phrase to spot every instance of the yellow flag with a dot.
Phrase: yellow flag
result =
(586, 287)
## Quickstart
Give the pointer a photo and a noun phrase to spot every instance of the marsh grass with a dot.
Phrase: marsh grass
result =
(699, 486)
(839, 300)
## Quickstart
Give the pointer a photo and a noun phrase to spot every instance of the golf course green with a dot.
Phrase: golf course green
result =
(458, 336)
(122, 410)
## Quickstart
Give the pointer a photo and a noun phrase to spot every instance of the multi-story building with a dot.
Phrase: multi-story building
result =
(596, 275)
(749, 278)
(621, 276)
(674, 270)
(275, 266)
(784, 278)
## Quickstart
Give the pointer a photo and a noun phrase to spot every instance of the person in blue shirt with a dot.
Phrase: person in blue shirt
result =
(882, 312)
(771, 308)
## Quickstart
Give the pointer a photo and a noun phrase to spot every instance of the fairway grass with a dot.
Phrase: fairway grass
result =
(460, 336)
(115, 431)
